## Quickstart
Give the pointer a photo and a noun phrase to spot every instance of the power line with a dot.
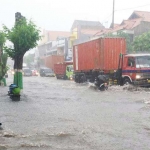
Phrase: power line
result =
(106, 18)
(132, 7)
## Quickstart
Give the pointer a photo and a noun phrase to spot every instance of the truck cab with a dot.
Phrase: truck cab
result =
(136, 69)
(69, 72)
(64, 70)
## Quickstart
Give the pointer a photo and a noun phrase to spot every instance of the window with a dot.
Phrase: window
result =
(131, 62)
(143, 62)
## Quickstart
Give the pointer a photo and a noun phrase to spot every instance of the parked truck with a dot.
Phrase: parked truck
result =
(107, 57)
(64, 70)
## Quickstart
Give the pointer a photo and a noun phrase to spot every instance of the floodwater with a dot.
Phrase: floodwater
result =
(62, 115)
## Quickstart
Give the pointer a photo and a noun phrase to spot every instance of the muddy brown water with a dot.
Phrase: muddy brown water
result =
(62, 115)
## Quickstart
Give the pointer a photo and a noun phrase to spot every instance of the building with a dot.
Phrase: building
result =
(64, 47)
(82, 30)
(53, 43)
(48, 42)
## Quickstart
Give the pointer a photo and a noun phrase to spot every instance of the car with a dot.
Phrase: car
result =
(6, 75)
(46, 72)
(27, 72)
(34, 72)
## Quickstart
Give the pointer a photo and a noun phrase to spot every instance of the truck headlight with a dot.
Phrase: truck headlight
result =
(71, 77)
(138, 76)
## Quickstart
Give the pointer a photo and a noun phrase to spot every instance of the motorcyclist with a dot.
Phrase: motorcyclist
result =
(101, 82)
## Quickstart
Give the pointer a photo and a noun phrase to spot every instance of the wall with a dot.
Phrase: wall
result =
(141, 28)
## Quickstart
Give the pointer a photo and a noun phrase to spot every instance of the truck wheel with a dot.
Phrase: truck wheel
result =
(126, 81)
(76, 78)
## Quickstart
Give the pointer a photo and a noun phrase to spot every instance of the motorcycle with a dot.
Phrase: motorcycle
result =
(101, 83)
(14, 91)
(103, 87)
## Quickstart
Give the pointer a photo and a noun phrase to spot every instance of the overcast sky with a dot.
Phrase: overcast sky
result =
(60, 14)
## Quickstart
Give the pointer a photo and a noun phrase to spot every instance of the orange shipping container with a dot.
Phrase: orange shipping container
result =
(98, 54)
(53, 59)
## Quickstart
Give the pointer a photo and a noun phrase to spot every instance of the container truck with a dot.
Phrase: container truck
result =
(53, 59)
(107, 57)
(64, 70)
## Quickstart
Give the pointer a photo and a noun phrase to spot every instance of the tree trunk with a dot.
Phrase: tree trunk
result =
(0, 54)
(18, 61)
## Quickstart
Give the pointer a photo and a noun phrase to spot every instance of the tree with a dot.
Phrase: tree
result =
(2, 42)
(142, 42)
(24, 36)
(3, 56)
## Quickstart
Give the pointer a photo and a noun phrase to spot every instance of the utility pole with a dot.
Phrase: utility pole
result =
(113, 14)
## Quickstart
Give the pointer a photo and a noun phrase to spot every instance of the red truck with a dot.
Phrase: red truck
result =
(53, 59)
(64, 70)
(107, 57)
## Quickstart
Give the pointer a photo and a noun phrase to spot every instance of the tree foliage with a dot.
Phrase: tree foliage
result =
(3, 65)
(142, 42)
(24, 36)
(3, 56)
(2, 40)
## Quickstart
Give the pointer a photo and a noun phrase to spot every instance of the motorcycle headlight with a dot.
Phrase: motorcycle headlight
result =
(138, 76)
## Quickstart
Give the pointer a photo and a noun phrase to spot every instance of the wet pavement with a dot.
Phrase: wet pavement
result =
(62, 115)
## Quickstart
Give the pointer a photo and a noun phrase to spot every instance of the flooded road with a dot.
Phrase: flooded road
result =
(62, 115)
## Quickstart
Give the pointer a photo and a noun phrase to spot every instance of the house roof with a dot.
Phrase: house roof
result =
(90, 23)
(134, 20)
(116, 25)
(145, 15)
(87, 24)
(128, 24)
(103, 31)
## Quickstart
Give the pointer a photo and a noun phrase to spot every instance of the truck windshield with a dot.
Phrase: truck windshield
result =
(142, 62)
(71, 68)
